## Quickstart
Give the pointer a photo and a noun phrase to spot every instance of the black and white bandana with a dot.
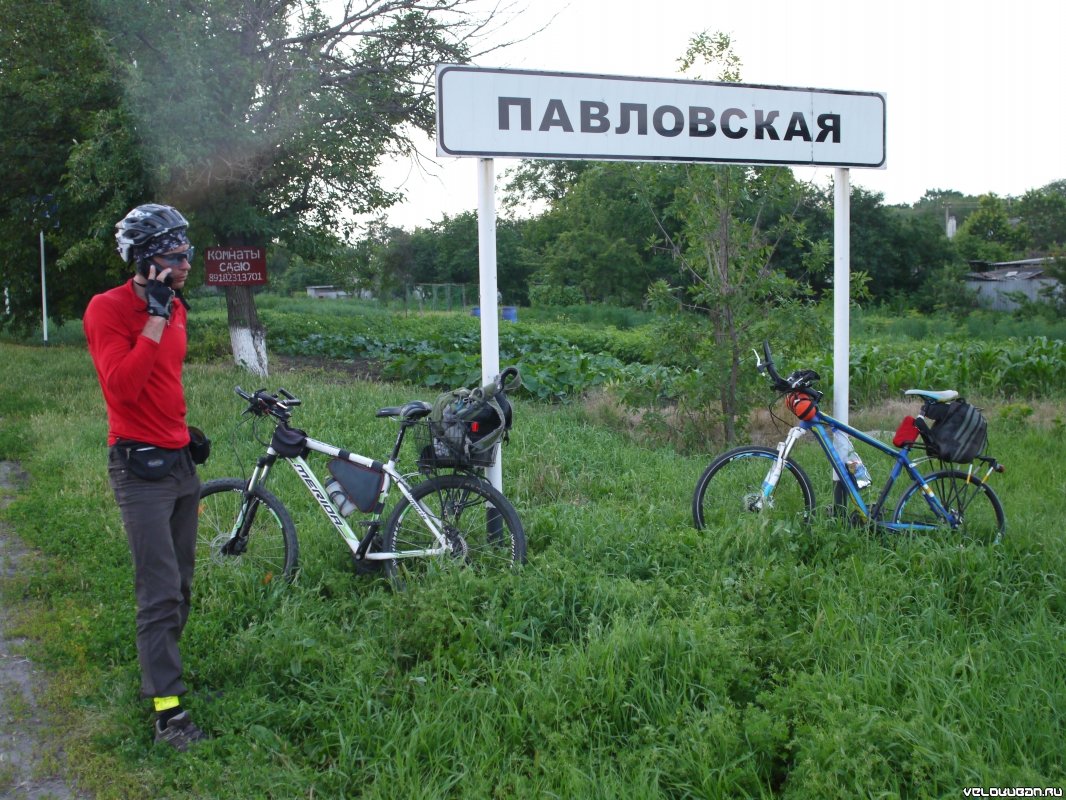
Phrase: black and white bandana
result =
(171, 240)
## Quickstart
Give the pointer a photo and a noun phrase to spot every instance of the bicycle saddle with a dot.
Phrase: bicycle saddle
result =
(939, 397)
(416, 409)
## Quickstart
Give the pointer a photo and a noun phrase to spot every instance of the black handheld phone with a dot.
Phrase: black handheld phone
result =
(144, 268)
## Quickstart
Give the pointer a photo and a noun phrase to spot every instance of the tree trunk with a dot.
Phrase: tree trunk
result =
(246, 333)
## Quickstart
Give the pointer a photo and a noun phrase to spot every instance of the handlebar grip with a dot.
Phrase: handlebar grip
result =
(768, 363)
(290, 399)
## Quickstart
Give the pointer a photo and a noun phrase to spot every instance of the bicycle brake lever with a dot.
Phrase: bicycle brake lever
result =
(759, 364)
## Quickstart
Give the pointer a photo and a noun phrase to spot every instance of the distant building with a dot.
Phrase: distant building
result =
(331, 292)
(1000, 278)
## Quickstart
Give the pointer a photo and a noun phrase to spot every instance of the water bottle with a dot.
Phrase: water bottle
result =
(846, 450)
(340, 497)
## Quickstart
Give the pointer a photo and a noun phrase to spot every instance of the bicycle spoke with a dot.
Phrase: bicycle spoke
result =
(480, 528)
(975, 511)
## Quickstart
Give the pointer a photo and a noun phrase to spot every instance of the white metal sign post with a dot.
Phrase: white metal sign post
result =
(488, 113)
(490, 321)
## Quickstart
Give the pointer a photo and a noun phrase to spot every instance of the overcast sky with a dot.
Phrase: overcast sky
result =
(974, 89)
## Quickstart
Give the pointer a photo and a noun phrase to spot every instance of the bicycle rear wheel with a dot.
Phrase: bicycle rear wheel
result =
(974, 504)
(262, 551)
(482, 529)
(730, 490)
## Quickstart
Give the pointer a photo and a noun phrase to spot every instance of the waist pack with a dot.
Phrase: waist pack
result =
(959, 432)
(146, 461)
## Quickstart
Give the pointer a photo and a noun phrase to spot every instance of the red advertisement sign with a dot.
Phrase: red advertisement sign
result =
(235, 266)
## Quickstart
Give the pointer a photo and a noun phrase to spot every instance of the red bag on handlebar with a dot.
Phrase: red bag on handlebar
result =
(802, 405)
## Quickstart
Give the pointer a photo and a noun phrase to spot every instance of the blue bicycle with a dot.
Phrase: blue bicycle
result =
(767, 484)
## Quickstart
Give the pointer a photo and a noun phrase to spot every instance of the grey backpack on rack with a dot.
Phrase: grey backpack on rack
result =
(466, 424)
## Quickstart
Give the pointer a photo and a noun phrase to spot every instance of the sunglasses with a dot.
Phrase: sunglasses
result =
(174, 259)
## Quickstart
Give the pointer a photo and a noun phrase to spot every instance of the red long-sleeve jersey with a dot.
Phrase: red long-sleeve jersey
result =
(140, 379)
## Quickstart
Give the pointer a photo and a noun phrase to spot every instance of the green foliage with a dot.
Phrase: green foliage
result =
(56, 94)
(1043, 212)
(632, 657)
(900, 250)
(732, 219)
(1012, 368)
(989, 235)
(267, 124)
(543, 295)
(1015, 415)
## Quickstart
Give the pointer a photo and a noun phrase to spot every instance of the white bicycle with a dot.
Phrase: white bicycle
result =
(453, 517)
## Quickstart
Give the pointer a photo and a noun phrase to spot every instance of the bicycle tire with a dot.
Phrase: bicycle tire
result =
(271, 551)
(737, 490)
(483, 528)
(982, 522)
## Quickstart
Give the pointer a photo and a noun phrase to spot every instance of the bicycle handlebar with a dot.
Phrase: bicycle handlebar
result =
(508, 380)
(800, 380)
(280, 404)
(262, 403)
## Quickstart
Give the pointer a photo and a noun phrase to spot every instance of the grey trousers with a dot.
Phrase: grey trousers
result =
(160, 519)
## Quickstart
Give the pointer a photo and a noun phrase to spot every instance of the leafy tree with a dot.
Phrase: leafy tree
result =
(896, 247)
(601, 242)
(989, 235)
(730, 221)
(263, 122)
(537, 182)
(1043, 212)
(731, 286)
(447, 252)
(56, 90)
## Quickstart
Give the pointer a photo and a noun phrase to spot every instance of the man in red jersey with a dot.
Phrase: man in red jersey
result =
(137, 340)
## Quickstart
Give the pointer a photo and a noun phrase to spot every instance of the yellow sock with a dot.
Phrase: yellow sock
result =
(165, 703)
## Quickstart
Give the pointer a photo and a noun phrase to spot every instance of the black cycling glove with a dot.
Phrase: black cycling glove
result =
(160, 299)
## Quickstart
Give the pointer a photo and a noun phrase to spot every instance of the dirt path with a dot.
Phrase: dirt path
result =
(24, 750)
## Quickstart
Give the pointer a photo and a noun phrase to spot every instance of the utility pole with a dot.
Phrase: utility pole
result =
(44, 295)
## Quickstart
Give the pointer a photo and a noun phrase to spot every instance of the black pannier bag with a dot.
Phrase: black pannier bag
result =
(959, 432)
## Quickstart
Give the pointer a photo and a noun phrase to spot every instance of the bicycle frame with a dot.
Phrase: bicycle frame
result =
(358, 546)
(823, 426)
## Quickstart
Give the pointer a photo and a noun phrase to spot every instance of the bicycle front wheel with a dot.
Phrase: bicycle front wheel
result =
(978, 512)
(254, 540)
(480, 526)
(731, 488)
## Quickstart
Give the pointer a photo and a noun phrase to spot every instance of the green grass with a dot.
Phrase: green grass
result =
(632, 656)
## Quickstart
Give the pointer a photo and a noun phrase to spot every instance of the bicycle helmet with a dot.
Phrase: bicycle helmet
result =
(145, 223)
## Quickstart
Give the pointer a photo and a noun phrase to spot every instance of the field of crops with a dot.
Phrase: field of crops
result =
(631, 657)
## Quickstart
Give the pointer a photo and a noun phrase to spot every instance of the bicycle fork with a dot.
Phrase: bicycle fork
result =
(770, 481)
(238, 541)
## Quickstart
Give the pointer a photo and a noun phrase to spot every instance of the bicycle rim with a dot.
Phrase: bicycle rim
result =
(730, 492)
(482, 529)
(976, 507)
(268, 554)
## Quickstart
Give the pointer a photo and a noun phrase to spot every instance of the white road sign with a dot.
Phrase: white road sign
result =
(527, 114)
